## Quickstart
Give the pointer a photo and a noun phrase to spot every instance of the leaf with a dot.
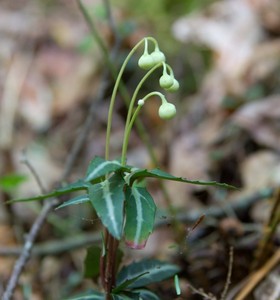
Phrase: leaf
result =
(75, 186)
(11, 181)
(146, 294)
(156, 173)
(36, 198)
(140, 211)
(100, 167)
(72, 187)
(156, 272)
(126, 296)
(125, 284)
(89, 295)
(107, 198)
(77, 200)
(177, 285)
(91, 262)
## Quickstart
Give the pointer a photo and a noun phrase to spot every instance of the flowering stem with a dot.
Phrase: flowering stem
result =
(131, 121)
(134, 96)
(114, 93)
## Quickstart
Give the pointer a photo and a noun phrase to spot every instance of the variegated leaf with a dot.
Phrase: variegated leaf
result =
(156, 173)
(140, 212)
(153, 270)
(77, 200)
(69, 188)
(107, 198)
(100, 167)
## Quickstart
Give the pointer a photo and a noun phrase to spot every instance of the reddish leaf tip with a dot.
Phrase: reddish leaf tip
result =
(132, 245)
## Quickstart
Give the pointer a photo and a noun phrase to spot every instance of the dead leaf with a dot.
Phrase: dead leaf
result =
(260, 170)
(261, 119)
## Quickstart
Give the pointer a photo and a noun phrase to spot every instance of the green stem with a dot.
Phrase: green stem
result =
(134, 96)
(114, 93)
(131, 122)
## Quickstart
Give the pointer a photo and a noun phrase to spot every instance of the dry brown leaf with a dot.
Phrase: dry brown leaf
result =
(264, 61)
(261, 170)
(70, 76)
(269, 13)
(261, 119)
(222, 27)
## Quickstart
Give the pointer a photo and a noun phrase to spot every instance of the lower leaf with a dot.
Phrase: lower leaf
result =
(155, 271)
(89, 295)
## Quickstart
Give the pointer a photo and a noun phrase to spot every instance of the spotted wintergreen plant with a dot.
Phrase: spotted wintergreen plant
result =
(126, 209)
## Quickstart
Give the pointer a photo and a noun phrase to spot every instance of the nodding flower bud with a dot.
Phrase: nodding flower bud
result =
(146, 61)
(166, 81)
(174, 87)
(158, 56)
(167, 111)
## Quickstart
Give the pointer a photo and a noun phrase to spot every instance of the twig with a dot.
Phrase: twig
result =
(227, 283)
(25, 253)
(202, 293)
(36, 176)
(229, 273)
(111, 20)
(256, 277)
(264, 247)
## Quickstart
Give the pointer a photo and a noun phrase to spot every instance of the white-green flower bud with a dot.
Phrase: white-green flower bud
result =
(146, 61)
(167, 111)
(158, 56)
(141, 102)
(175, 86)
(166, 81)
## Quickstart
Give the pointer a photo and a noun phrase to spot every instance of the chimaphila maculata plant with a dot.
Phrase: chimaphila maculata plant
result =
(126, 209)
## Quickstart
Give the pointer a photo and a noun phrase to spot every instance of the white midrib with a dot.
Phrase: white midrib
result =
(100, 167)
(110, 207)
(139, 219)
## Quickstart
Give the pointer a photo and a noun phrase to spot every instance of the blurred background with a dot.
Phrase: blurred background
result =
(226, 56)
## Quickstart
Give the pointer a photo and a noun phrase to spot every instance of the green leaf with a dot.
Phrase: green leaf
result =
(156, 272)
(89, 295)
(140, 213)
(146, 294)
(107, 198)
(156, 173)
(36, 198)
(126, 296)
(77, 200)
(11, 181)
(125, 284)
(72, 187)
(177, 285)
(91, 262)
(75, 186)
(100, 167)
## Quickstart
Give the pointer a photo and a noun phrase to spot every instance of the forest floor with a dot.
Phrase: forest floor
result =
(226, 57)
